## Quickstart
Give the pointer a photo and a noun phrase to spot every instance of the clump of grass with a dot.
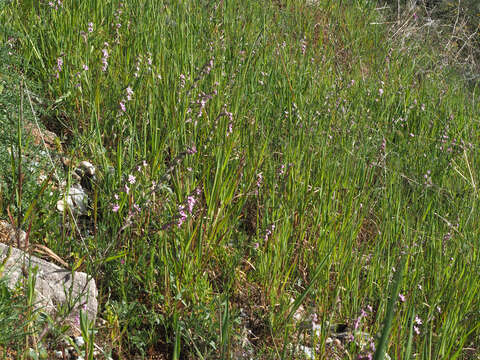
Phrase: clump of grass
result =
(237, 144)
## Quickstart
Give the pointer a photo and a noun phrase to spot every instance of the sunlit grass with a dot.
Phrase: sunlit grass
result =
(255, 158)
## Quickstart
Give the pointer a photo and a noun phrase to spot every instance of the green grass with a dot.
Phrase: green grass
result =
(317, 159)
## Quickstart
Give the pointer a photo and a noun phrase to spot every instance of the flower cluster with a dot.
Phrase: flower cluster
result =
(186, 209)
(269, 232)
(303, 46)
(129, 95)
(259, 182)
(59, 67)
(55, 5)
(105, 56)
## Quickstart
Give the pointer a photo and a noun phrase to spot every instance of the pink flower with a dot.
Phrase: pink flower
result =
(183, 215)
(105, 58)
(115, 207)
(131, 179)
(401, 297)
(122, 106)
(191, 203)
(417, 330)
(59, 64)
(90, 27)
(129, 93)
(192, 150)
(418, 321)
(85, 67)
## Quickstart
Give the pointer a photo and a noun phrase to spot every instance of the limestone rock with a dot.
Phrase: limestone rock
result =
(54, 285)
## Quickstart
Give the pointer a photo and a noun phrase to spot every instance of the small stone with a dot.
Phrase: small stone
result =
(308, 351)
(79, 341)
(76, 199)
(87, 167)
(58, 354)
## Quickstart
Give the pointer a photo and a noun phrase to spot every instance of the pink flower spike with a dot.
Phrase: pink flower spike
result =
(192, 150)
(129, 93)
(122, 106)
(191, 203)
(59, 64)
(401, 297)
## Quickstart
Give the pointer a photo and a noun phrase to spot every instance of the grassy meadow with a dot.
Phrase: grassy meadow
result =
(269, 174)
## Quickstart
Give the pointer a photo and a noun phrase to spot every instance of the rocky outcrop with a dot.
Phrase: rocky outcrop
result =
(54, 286)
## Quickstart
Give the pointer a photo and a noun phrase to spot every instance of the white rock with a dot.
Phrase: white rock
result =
(54, 285)
(58, 354)
(308, 351)
(79, 341)
(75, 199)
(87, 167)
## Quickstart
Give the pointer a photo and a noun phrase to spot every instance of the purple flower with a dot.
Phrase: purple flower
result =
(269, 232)
(229, 129)
(191, 203)
(105, 58)
(182, 215)
(131, 179)
(129, 93)
(85, 67)
(122, 106)
(115, 207)
(59, 64)
(359, 319)
(192, 150)
(418, 321)
(417, 330)
(90, 27)
(401, 297)
(259, 180)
